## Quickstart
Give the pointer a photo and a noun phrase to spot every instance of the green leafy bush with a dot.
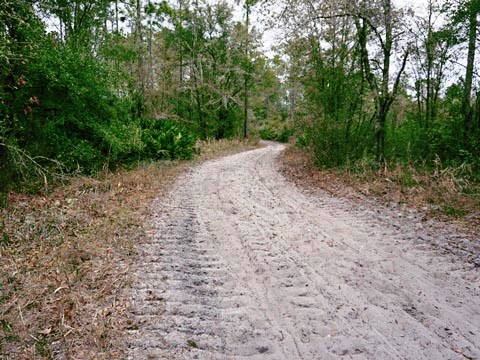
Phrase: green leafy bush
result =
(68, 111)
(267, 133)
(167, 139)
(284, 134)
(303, 140)
(281, 135)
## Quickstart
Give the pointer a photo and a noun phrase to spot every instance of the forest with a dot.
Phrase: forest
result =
(91, 85)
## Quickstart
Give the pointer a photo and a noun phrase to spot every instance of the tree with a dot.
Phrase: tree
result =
(140, 84)
(463, 26)
(386, 33)
(19, 33)
(470, 10)
(80, 20)
(431, 53)
(202, 55)
(247, 6)
(351, 46)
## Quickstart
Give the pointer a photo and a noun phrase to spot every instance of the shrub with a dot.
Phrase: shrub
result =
(167, 139)
(267, 133)
(281, 135)
(284, 135)
(67, 110)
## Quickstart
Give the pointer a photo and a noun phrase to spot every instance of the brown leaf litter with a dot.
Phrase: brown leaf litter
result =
(66, 256)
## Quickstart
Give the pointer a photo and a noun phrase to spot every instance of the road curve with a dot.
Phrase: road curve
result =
(241, 264)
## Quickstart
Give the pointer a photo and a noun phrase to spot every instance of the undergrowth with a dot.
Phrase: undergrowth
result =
(442, 191)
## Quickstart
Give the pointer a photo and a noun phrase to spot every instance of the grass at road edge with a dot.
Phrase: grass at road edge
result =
(443, 195)
(66, 258)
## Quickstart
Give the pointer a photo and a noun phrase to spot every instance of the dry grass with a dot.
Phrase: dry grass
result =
(214, 148)
(66, 257)
(445, 193)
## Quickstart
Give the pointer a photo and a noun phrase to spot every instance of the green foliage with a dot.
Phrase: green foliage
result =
(70, 100)
(444, 140)
(167, 139)
(303, 141)
(281, 135)
(80, 18)
(63, 109)
(74, 116)
(338, 144)
(333, 120)
(267, 133)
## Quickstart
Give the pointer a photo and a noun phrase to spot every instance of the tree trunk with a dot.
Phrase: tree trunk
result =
(383, 102)
(380, 121)
(150, 57)
(477, 111)
(472, 35)
(221, 126)
(116, 16)
(247, 70)
(140, 66)
(198, 100)
(383, 97)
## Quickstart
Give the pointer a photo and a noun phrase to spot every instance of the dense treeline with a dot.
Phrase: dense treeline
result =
(93, 84)
(374, 83)
(88, 85)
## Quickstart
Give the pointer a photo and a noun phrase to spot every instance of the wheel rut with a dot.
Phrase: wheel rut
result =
(240, 264)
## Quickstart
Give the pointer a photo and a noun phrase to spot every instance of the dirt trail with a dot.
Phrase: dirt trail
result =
(242, 264)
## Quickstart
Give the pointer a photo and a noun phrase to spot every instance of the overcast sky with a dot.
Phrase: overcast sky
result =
(270, 36)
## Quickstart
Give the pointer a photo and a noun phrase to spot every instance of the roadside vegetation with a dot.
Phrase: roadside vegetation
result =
(447, 193)
(386, 99)
(95, 85)
(88, 86)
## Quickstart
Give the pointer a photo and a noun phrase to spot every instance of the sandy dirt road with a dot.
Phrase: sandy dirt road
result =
(241, 264)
